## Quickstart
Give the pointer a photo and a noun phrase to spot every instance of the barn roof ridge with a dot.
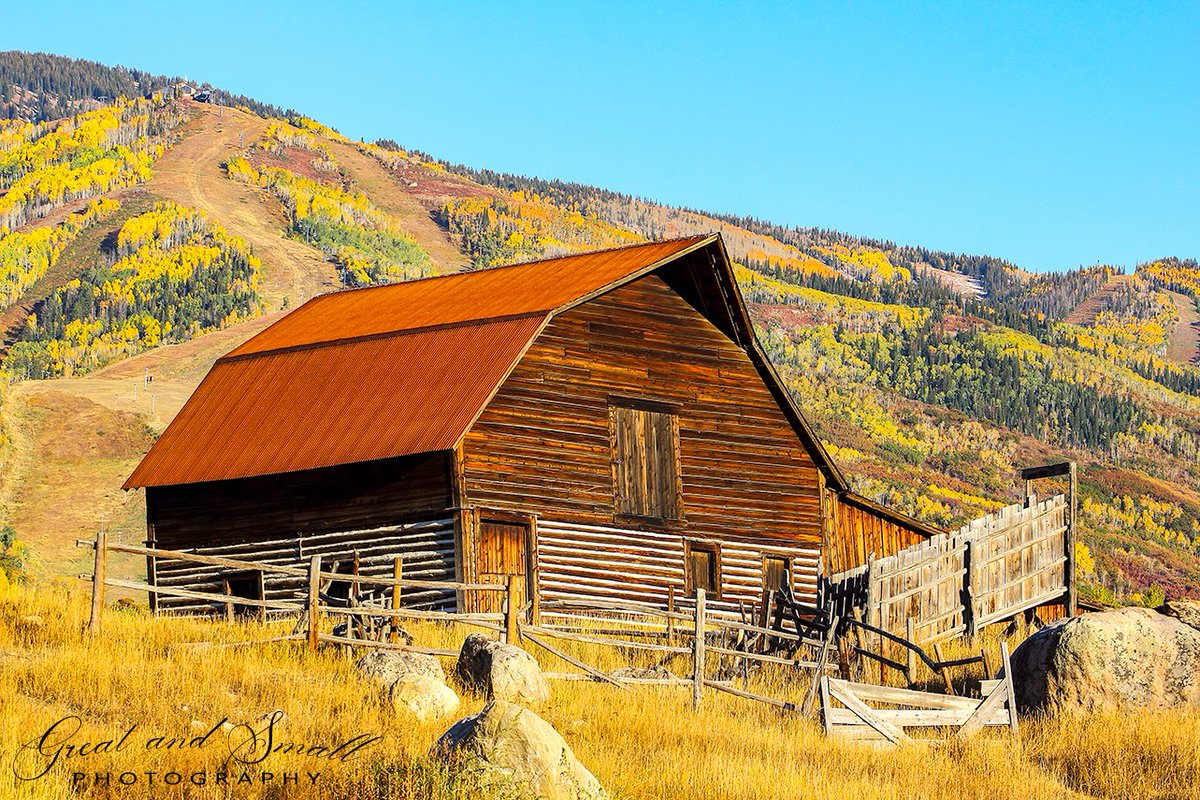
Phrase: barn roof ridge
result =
(400, 332)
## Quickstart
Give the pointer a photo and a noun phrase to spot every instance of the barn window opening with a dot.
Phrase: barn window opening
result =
(247, 585)
(704, 568)
(777, 573)
(645, 456)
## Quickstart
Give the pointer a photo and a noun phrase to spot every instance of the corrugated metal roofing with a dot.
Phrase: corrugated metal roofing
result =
(304, 408)
(376, 373)
(519, 289)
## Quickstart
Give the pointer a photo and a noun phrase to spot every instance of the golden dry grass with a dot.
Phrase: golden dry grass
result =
(641, 742)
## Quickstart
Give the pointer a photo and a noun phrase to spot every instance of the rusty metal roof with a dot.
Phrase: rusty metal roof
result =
(539, 286)
(376, 373)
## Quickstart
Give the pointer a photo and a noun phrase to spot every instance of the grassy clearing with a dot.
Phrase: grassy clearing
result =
(641, 742)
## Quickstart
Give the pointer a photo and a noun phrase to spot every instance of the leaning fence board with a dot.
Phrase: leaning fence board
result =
(580, 637)
(406, 648)
(199, 558)
(791, 662)
(210, 596)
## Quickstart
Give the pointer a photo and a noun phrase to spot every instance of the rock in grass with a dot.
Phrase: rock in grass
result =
(501, 671)
(509, 751)
(1186, 611)
(385, 667)
(1127, 658)
(424, 697)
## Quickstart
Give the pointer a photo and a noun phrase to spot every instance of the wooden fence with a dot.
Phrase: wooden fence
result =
(375, 607)
(991, 569)
(847, 711)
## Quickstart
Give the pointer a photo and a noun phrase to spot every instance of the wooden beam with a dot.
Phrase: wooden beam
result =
(1072, 589)
(314, 604)
(698, 652)
(398, 574)
(1047, 471)
(98, 569)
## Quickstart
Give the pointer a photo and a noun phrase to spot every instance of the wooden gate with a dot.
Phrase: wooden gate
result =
(503, 550)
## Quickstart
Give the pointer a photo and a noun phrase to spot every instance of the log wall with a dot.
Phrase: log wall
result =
(579, 561)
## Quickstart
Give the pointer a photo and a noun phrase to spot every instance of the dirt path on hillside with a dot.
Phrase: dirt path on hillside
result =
(1086, 312)
(190, 173)
(390, 193)
(1183, 345)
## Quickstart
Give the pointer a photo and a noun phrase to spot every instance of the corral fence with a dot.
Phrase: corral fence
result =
(693, 648)
(991, 569)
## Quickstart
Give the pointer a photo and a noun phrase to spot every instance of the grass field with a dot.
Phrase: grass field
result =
(640, 742)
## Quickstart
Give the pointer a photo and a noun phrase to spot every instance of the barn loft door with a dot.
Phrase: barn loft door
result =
(503, 550)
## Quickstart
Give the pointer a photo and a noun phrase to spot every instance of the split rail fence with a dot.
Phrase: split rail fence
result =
(705, 651)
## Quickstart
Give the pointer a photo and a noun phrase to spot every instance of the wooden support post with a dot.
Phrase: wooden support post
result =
(698, 652)
(98, 566)
(397, 576)
(671, 610)
(229, 602)
(314, 603)
(1072, 589)
(910, 633)
(937, 653)
(511, 611)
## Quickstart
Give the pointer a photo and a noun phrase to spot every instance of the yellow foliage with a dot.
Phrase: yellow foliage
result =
(26, 257)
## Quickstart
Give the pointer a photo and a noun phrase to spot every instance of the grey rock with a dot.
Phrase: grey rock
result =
(424, 697)
(385, 667)
(507, 750)
(1185, 610)
(501, 671)
(1126, 658)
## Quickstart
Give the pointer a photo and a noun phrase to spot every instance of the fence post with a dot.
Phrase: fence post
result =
(910, 633)
(511, 610)
(698, 652)
(671, 610)
(397, 575)
(314, 603)
(98, 582)
(1072, 589)
(970, 612)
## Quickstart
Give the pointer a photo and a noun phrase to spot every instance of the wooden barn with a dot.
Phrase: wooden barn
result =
(604, 425)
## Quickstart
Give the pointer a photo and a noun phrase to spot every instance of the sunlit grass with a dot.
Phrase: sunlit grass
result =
(642, 741)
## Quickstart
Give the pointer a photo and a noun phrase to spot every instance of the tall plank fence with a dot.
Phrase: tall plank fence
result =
(991, 569)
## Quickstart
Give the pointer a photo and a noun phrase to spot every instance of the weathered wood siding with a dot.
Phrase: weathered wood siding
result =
(856, 532)
(543, 447)
(382, 509)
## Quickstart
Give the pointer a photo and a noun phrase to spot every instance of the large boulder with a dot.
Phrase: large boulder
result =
(385, 667)
(424, 697)
(509, 751)
(1127, 658)
(1186, 611)
(501, 671)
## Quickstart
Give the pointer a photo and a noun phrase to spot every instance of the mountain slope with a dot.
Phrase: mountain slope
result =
(934, 376)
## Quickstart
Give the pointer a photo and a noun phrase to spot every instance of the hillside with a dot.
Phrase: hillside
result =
(144, 235)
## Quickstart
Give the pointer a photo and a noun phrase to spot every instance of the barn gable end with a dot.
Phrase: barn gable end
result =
(748, 486)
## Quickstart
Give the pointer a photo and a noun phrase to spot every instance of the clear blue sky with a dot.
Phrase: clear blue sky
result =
(1051, 134)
